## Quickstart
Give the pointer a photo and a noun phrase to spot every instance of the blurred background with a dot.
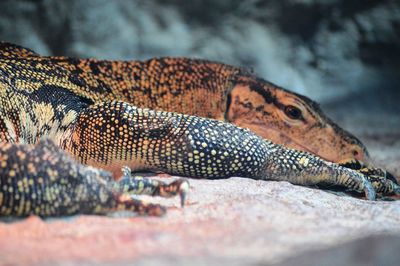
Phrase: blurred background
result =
(344, 54)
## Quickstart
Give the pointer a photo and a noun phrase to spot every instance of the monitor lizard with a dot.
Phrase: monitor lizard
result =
(68, 126)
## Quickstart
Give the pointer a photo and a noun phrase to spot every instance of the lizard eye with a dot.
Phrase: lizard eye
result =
(293, 112)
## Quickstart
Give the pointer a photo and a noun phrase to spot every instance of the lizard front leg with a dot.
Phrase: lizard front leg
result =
(306, 169)
(111, 134)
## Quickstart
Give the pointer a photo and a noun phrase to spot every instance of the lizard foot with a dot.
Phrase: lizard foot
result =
(382, 181)
(137, 185)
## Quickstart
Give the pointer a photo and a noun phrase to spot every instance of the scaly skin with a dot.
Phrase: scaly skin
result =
(45, 181)
(223, 92)
(195, 147)
(87, 111)
(207, 89)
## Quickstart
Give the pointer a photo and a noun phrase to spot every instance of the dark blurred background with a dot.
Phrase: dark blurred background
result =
(342, 53)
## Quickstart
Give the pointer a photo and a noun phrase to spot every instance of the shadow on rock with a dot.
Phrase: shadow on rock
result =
(372, 250)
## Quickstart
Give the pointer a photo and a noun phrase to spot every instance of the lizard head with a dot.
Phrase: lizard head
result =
(290, 119)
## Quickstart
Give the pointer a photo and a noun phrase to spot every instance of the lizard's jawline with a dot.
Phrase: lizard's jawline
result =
(301, 147)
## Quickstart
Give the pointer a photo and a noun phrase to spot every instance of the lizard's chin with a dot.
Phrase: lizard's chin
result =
(293, 143)
(278, 137)
(331, 157)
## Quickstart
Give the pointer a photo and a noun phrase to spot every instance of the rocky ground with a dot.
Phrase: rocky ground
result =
(236, 221)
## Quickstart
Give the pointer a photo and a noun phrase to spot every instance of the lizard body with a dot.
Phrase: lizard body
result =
(207, 89)
(92, 110)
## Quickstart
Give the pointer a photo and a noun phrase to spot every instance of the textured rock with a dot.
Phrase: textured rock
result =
(324, 49)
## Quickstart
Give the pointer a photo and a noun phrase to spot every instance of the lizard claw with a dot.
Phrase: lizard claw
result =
(183, 191)
(396, 189)
(369, 190)
(178, 187)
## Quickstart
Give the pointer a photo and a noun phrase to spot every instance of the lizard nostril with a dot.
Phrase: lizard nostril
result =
(357, 153)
